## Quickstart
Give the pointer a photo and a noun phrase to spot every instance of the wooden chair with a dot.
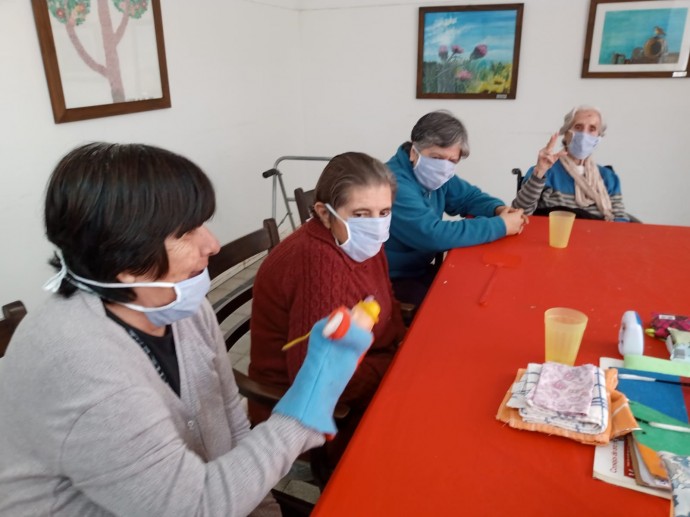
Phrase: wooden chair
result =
(231, 255)
(304, 199)
(580, 213)
(228, 311)
(12, 313)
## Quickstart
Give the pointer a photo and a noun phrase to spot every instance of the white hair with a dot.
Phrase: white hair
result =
(570, 118)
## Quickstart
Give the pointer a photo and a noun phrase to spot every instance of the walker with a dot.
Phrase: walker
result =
(278, 181)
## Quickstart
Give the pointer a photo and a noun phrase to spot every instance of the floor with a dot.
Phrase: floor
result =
(296, 482)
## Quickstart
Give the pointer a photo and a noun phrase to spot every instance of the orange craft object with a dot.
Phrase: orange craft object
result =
(365, 315)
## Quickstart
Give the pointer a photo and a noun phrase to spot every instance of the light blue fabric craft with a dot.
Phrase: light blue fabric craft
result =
(327, 368)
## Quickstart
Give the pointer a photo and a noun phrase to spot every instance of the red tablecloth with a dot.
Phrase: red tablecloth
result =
(430, 444)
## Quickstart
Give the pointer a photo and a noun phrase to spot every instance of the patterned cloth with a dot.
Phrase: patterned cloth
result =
(564, 388)
(592, 421)
(662, 322)
(678, 468)
(621, 419)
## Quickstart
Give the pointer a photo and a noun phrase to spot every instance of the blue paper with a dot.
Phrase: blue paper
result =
(662, 396)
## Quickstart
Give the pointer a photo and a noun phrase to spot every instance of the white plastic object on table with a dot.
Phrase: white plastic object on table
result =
(631, 335)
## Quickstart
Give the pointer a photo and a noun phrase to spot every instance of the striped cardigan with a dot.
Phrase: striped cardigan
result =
(557, 189)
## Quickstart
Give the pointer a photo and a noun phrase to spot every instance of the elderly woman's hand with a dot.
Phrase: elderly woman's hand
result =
(547, 157)
(514, 219)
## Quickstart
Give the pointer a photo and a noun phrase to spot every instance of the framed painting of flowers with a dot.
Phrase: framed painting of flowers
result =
(469, 52)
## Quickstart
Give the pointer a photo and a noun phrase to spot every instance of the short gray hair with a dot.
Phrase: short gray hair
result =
(442, 129)
(570, 117)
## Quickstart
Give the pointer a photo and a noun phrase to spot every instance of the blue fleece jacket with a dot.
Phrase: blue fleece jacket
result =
(418, 230)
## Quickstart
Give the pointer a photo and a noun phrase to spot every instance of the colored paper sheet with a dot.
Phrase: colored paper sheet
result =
(666, 397)
(654, 364)
(656, 438)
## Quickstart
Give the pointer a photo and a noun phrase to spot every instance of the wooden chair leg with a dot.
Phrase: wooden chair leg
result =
(318, 460)
(292, 506)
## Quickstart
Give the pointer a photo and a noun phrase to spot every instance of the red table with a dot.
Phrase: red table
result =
(430, 444)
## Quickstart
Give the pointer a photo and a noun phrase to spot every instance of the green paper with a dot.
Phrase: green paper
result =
(660, 439)
(654, 364)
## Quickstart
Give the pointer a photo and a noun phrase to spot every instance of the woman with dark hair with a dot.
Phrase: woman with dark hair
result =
(335, 258)
(117, 395)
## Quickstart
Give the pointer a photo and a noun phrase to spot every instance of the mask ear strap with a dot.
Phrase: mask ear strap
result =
(54, 282)
(347, 226)
(419, 155)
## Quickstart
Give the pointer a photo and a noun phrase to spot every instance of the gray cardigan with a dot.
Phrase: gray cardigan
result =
(87, 427)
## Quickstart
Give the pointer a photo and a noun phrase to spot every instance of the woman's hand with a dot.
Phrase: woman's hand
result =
(547, 157)
(514, 219)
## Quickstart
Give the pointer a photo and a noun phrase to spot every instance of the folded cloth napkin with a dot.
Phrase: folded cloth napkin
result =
(592, 421)
(621, 419)
(565, 389)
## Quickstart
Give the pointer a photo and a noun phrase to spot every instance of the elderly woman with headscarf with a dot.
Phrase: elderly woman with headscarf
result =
(570, 179)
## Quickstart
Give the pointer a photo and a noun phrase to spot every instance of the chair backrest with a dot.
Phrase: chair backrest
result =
(232, 310)
(12, 313)
(518, 179)
(231, 255)
(304, 199)
(234, 316)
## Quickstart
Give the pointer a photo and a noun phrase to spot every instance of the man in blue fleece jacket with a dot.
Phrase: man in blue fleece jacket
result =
(428, 188)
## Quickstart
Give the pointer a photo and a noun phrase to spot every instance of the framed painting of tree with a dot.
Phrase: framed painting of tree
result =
(469, 52)
(102, 57)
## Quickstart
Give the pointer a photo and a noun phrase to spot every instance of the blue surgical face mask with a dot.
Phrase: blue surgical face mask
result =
(189, 294)
(365, 235)
(582, 144)
(432, 173)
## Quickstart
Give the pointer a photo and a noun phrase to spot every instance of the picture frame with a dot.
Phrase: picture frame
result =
(469, 51)
(102, 62)
(637, 38)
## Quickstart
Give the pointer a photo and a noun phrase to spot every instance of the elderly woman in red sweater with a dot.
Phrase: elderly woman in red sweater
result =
(336, 258)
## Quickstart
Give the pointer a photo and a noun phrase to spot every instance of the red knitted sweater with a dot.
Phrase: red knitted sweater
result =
(302, 280)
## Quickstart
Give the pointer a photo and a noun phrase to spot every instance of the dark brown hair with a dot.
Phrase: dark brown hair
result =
(349, 170)
(110, 207)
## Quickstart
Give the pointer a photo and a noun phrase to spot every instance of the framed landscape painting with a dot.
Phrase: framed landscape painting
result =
(469, 52)
(627, 38)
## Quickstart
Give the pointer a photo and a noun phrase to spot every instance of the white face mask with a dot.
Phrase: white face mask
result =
(365, 235)
(432, 173)
(582, 144)
(189, 294)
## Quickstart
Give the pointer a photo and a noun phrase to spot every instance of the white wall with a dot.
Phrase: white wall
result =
(359, 73)
(254, 80)
(236, 106)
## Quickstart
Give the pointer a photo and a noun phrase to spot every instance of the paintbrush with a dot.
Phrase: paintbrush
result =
(631, 377)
